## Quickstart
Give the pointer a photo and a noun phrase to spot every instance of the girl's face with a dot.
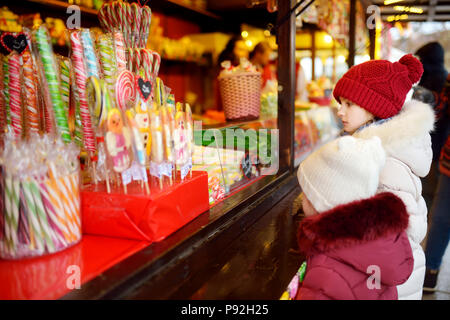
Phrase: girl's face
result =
(308, 208)
(353, 116)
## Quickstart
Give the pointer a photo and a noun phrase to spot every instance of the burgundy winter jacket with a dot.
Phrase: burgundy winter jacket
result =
(346, 245)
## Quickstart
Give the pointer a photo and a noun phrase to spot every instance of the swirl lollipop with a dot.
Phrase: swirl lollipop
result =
(125, 89)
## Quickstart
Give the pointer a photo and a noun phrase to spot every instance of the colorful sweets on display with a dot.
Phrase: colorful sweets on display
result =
(133, 20)
(41, 189)
(54, 101)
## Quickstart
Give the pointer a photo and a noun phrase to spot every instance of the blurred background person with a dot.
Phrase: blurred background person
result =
(234, 51)
(431, 90)
(260, 58)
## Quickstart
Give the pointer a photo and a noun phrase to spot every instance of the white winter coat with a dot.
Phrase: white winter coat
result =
(407, 143)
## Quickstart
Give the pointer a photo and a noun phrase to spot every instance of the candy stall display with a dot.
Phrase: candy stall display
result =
(102, 114)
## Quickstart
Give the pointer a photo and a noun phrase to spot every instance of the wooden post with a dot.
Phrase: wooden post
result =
(286, 86)
(313, 54)
(333, 76)
(372, 41)
(352, 35)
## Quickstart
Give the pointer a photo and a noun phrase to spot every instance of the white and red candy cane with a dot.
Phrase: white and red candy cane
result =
(119, 47)
(137, 60)
(136, 11)
(156, 63)
(14, 94)
(146, 15)
(80, 80)
(147, 63)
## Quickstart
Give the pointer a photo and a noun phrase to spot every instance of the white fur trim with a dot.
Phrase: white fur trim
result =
(406, 136)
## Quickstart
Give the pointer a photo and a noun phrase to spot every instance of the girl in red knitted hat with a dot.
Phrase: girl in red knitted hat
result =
(372, 97)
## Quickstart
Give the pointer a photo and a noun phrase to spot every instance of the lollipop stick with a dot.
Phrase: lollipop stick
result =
(125, 188)
(147, 188)
(94, 172)
(108, 188)
(160, 183)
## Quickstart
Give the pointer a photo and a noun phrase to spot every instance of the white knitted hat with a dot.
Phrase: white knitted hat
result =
(344, 170)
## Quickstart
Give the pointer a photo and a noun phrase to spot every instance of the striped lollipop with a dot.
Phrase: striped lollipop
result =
(41, 37)
(30, 90)
(14, 94)
(80, 80)
(2, 112)
(6, 88)
(89, 54)
(107, 60)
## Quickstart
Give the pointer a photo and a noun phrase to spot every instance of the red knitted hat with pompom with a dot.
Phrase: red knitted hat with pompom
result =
(380, 86)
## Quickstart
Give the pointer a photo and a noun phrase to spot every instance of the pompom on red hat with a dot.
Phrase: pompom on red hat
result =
(380, 86)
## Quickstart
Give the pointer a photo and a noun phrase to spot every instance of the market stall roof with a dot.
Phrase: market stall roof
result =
(412, 10)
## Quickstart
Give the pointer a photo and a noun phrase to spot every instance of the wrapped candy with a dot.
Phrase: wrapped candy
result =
(180, 136)
(118, 141)
(80, 75)
(51, 82)
(157, 147)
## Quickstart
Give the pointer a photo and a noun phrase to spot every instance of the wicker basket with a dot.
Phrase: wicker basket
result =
(241, 95)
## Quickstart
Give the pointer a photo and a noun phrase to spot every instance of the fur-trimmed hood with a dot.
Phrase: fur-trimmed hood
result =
(406, 137)
(360, 234)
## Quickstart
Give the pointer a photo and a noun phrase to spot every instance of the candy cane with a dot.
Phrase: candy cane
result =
(136, 12)
(146, 13)
(156, 64)
(119, 47)
(137, 60)
(147, 63)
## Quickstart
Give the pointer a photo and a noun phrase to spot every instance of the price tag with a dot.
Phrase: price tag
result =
(154, 170)
(144, 174)
(166, 169)
(126, 177)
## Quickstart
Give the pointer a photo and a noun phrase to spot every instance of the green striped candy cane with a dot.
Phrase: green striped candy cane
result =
(47, 58)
